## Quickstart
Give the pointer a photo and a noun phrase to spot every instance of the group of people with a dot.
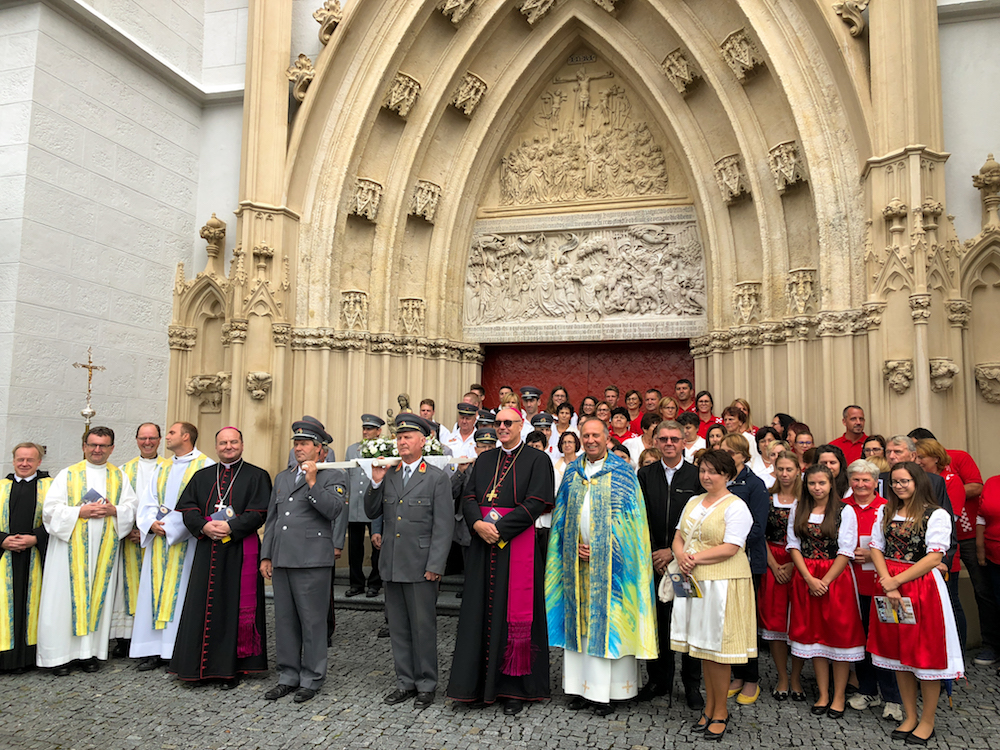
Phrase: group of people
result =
(614, 533)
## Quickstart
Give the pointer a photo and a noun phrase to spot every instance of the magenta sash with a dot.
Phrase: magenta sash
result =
(520, 599)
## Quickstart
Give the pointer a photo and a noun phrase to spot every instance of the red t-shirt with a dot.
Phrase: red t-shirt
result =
(989, 511)
(956, 493)
(704, 426)
(692, 407)
(622, 438)
(852, 451)
(968, 472)
(867, 579)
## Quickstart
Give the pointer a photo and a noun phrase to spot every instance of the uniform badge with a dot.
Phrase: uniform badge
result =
(399, 466)
(423, 467)
(340, 489)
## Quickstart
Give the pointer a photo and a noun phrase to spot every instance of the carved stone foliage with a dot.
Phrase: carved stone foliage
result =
(746, 301)
(235, 332)
(258, 385)
(535, 10)
(741, 54)
(469, 93)
(411, 316)
(214, 234)
(589, 149)
(988, 380)
(354, 310)
(329, 338)
(898, 373)
(959, 311)
(608, 5)
(328, 16)
(851, 12)
(301, 74)
(920, 307)
(182, 338)
(456, 10)
(987, 182)
(586, 275)
(732, 178)
(281, 333)
(366, 199)
(679, 70)
(943, 372)
(840, 322)
(208, 388)
(872, 314)
(402, 94)
(787, 165)
(425, 198)
(800, 291)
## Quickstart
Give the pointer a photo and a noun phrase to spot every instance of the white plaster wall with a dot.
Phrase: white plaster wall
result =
(110, 193)
(969, 77)
(218, 176)
(225, 55)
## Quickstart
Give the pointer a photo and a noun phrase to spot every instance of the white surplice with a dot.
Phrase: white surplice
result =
(56, 643)
(147, 640)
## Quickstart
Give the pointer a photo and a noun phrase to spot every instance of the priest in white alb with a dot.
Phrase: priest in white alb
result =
(169, 549)
(88, 509)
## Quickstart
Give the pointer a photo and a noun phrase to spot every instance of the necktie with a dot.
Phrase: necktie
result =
(406, 475)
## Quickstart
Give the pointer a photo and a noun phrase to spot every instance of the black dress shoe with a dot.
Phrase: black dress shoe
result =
(899, 734)
(120, 651)
(354, 591)
(91, 665)
(649, 691)
(712, 735)
(693, 697)
(513, 707)
(372, 592)
(914, 740)
(698, 726)
(819, 710)
(61, 671)
(834, 714)
(578, 703)
(279, 691)
(398, 696)
(230, 684)
(603, 709)
(779, 695)
(799, 697)
(304, 694)
(423, 700)
(150, 663)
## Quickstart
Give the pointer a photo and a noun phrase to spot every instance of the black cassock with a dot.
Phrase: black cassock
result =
(527, 487)
(215, 639)
(23, 499)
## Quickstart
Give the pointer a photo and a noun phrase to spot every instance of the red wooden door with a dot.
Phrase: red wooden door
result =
(586, 369)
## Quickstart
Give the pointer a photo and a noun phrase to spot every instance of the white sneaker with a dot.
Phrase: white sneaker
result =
(860, 701)
(893, 711)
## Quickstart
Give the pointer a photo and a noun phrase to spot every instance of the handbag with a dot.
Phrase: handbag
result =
(665, 591)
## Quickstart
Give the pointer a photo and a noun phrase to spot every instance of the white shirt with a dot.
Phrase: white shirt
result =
(847, 536)
(696, 446)
(937, 534)
(738, 518)
(461, 446)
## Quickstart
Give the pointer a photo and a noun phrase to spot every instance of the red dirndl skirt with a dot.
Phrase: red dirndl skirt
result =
(919, 646)
(773, 598)
(827, 626)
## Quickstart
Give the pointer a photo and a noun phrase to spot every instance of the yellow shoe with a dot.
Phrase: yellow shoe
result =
(733, 691)
(746, 700)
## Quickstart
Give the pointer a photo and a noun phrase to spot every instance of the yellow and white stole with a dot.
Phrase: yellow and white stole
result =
(88, 596)
(132, 552)
(167, 559)
(7, 569)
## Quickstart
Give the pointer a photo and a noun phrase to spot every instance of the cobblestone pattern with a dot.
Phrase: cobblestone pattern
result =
(120, 708)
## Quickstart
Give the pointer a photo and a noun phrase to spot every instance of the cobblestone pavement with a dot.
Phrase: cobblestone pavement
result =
(121, 708)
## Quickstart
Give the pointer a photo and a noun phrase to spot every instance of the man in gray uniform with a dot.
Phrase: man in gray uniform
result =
(297, 555)
(415, 502)
(357, 521)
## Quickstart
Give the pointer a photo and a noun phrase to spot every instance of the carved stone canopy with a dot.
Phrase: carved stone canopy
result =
(456, 10)
(741, 54)
(787, 165)
(535, 10)
(366, 199)
(732, 178)
(469, 93)
(354, 310)
(402, 94)
(679, 70)
(424, 201)
(746, 301)
(988, 380)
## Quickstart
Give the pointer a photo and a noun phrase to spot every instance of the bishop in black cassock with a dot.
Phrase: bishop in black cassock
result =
(502, 646)
(222, 633)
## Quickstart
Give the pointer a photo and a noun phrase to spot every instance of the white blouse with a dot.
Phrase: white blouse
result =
(847, 536)
(937, 535)
(739, 521)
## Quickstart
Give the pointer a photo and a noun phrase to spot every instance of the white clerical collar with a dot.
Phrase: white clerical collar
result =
(25, 479)
(96, 466)
(152, 460)
(229, 466)
(187, 457)
(508, 451)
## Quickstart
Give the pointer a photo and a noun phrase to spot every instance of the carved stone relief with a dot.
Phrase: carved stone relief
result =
(585, 270)
(920, 307)
(354, 310)
(746, 301)
(208, 388)
(535, 10)
(898, 373)
(235, 332)
(732, 178)
(851, 12)
(424, 201)
(366, 199)
(988, 380)
(959, 311)
(679, 70)
(608, 5)
(583, 144)
(258, 385)
(281, 333)
(411, 316)
(469, 93)
(799, 290)
(328, 17)
(943, 372)
(402, 94)
(741, 54)
(787, 165)
(456, 10)
(301, 74)
(182, 338)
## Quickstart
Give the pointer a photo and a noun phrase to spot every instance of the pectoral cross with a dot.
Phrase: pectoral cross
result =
(220, 505)
(492, 495)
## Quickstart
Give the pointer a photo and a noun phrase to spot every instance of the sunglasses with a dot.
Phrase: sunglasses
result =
(507, 422)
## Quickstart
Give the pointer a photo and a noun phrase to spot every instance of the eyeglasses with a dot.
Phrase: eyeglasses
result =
(901, 482)
(94, 447)
(669, 439)
(507, 422)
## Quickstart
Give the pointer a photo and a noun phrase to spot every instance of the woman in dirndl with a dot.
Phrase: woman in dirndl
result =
(719, 627)
(825, 620)
(772, 598)
(909, 540)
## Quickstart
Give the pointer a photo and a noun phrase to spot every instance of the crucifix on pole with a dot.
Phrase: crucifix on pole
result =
(88, 413)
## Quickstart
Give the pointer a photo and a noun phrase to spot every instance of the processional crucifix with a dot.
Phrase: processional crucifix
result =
(88, 413)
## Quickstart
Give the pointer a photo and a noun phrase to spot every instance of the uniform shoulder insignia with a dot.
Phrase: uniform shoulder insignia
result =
(340, 489)
(423, 467)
